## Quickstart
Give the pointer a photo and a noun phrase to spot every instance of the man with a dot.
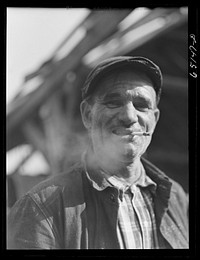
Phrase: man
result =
(113, 198)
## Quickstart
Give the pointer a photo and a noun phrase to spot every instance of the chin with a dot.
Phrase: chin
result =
(127, 153)
(129, 156)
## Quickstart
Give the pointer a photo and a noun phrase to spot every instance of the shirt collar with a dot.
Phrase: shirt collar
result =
(145, 181)
(98, 181)
(101, 180)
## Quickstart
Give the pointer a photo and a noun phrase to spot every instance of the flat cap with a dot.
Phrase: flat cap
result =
(136, 63)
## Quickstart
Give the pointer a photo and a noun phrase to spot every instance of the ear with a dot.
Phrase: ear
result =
(86, 110)
(157, 115)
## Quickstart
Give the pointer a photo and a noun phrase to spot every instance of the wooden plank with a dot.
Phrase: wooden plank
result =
(34, 135)
(63, 43)
(23, 160)
(103, 23)
(159, 21)
(56, 128)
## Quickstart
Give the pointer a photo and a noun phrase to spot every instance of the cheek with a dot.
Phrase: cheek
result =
(147, 120)
(102, 119)
(152, 122)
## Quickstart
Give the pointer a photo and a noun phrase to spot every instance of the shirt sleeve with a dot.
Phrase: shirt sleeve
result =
(29, 228)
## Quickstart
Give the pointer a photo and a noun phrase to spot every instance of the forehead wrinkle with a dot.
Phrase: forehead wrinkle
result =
(122, 83)
(123, 79)
(124, 90)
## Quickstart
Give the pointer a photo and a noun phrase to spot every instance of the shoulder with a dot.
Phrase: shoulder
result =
(37, 219)
(64, 186)
(178, 195)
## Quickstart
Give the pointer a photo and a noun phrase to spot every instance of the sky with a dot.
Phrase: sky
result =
(32, 35)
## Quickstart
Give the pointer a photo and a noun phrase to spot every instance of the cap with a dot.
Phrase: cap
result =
(136, 63)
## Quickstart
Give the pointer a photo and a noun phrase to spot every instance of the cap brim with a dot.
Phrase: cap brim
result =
(136, 63)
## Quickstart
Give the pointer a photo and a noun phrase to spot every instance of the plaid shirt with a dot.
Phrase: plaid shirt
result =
(136, 227)
(136, 220)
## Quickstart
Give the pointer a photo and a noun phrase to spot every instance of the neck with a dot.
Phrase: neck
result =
(128, 172)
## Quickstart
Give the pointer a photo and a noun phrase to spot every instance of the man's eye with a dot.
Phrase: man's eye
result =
(113, 103)
(142, 107)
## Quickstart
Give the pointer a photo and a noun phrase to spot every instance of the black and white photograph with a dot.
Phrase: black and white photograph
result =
(97, 127)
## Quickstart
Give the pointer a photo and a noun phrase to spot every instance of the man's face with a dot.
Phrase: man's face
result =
(124, 104)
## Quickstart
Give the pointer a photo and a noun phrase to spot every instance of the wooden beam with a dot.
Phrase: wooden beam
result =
(34, 135)
(158, 22)
(97, 29)
(63, 43)
(30, 153)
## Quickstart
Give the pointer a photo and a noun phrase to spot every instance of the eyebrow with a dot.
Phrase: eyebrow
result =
(117, 95)
(112, 96)
(145, 98)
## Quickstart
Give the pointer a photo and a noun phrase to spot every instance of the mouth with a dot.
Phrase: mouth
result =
(125, 132)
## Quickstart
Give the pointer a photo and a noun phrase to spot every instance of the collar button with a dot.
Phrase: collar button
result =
(112, 197)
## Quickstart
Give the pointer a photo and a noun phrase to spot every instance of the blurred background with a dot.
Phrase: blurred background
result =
(49, 54)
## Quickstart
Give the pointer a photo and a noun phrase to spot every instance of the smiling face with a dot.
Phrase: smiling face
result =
(124, 104)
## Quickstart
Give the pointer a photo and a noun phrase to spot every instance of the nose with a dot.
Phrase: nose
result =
(128, 114)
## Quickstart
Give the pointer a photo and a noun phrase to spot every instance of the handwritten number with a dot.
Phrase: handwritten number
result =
(193, 65)
(193, 53)
(193, 37)
(194, 75)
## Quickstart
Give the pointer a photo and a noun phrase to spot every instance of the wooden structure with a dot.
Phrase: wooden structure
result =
(46, 115)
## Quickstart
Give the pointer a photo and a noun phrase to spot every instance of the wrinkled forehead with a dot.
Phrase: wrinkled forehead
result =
(121, 80)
